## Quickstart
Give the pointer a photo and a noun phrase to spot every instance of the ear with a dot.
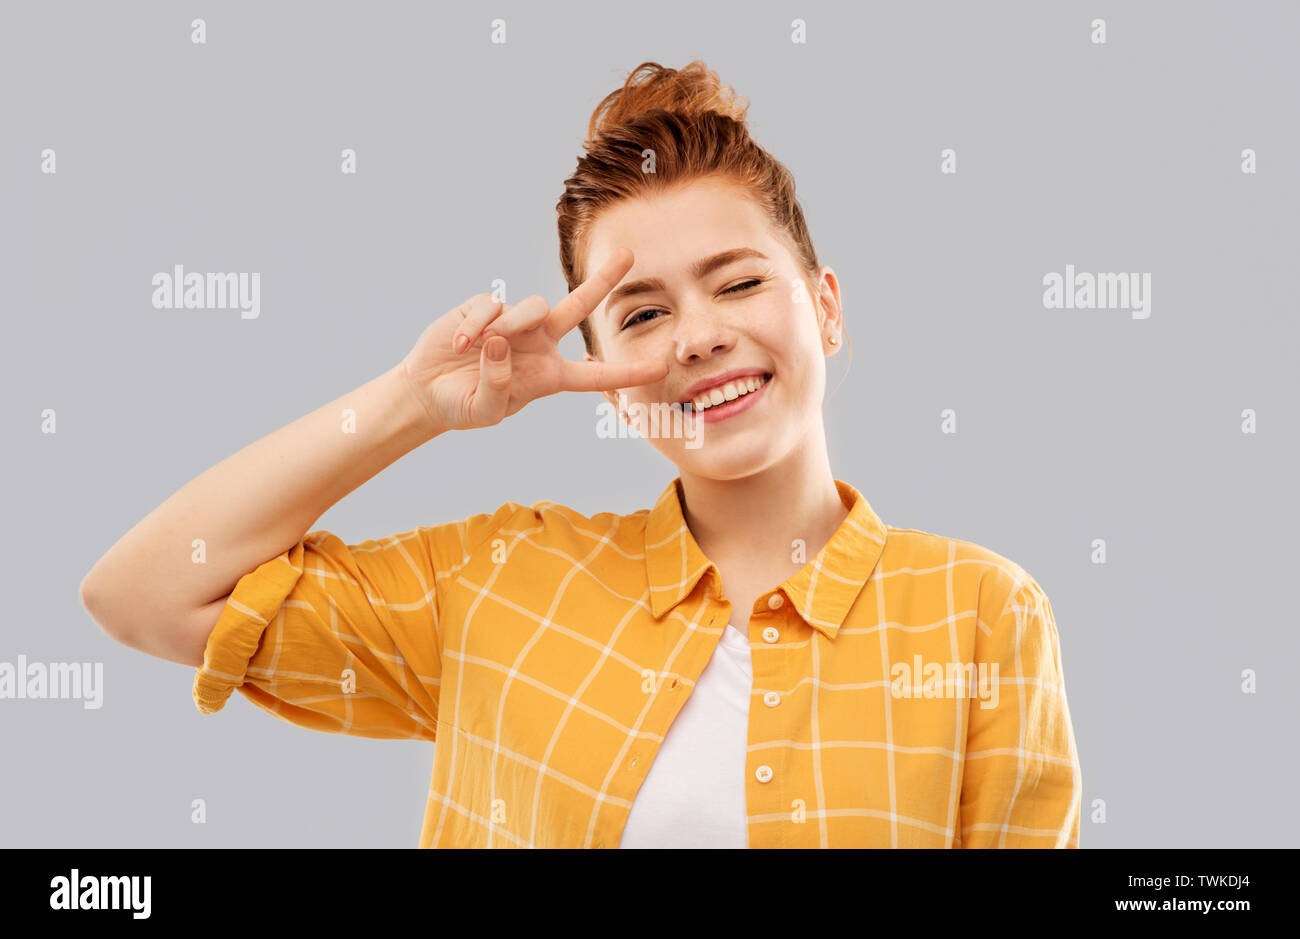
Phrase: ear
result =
(830, 312)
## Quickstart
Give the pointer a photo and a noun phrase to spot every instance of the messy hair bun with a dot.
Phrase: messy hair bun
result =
(689, 91)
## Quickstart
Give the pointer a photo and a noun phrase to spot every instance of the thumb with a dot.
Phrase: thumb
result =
(492, 396)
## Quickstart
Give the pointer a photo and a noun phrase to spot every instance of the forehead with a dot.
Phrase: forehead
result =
(671, 230)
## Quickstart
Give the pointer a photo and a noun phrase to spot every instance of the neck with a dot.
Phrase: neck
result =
(760, 516)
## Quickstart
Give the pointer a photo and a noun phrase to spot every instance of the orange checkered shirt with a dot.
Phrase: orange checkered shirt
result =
(907, 687)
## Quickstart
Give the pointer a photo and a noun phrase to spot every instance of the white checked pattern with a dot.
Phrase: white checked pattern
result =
(547, 653)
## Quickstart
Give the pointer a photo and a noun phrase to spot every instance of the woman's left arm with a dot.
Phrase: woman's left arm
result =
(1022, 786)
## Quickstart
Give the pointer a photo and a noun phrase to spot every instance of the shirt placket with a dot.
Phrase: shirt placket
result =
(765, 788)
(668, 702)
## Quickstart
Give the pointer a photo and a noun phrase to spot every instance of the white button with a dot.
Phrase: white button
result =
(763, 773)
(771, 634)
(771, 699)
(774, 601)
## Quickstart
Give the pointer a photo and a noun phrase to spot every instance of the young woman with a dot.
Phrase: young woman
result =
(757, 660)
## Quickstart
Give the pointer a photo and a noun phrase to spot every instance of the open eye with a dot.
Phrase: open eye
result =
(637, 319)
(745, 285)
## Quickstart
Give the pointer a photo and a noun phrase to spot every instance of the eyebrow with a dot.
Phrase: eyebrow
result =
(701, 268)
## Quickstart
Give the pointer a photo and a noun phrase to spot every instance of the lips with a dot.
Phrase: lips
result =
(729, 410)
(702, 390)
(726, 392)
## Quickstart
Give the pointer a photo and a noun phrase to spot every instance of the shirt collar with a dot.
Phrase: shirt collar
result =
(821, 591)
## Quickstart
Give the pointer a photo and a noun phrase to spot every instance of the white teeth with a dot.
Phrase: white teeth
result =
(728, 392)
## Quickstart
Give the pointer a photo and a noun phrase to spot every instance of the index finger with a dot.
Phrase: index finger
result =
(578, 305)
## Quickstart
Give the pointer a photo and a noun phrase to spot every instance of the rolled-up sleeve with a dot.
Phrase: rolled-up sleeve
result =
(334, 637)
(1021, 785)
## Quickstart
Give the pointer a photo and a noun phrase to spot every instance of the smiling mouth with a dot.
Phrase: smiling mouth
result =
(724, 394)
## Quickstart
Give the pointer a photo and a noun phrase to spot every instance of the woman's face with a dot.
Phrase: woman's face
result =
(753, 314)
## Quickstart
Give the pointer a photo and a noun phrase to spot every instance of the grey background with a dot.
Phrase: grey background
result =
(1073, 424)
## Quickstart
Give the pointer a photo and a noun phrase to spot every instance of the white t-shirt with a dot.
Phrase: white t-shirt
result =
(694, 793)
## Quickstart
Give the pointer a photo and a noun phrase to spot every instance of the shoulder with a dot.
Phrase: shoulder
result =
(563, 524)
(984, 578)
(542, 524)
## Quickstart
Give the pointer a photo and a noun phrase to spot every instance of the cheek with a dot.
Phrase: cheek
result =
(787, 313)
(791, 335)
(798, 357)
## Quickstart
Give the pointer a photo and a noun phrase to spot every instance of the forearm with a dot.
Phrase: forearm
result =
(253, 505)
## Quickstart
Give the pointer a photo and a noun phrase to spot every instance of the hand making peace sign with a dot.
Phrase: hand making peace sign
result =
(463, 386)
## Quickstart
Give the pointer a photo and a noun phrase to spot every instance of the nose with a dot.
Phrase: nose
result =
(701, 336)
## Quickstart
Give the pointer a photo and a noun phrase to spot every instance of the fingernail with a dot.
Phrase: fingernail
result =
(459, 343)
(497, 351)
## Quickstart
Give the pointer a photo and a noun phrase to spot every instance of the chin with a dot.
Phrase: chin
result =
(725, 462)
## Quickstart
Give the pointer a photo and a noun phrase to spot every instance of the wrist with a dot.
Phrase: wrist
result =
(417, 412)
